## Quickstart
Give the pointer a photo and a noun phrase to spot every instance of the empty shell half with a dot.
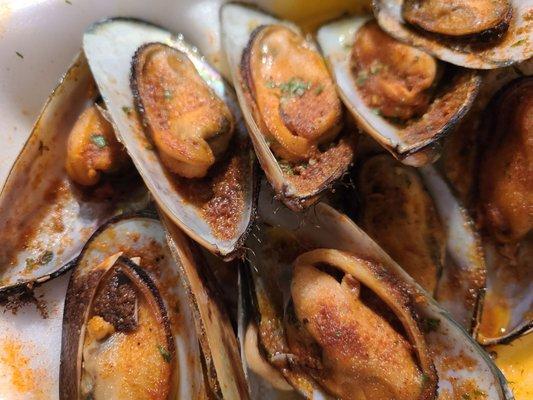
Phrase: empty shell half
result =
(70, 177)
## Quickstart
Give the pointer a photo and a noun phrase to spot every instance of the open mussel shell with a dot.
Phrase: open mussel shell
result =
(413, 214)
(220, 350)
(503, 199)
(461, 365)
(417, 141)
(297, 183)
(461, 287)
(95, 290)
(111, 47)
(507, 41)
(45, 216)
(506, 311)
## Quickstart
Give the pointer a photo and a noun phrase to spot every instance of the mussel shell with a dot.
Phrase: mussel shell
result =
(461, 287)
(452, 242)
(110, 47)
(508, 290)
(514, 47)
(238, 22)
(136, 235)
(415, 144)
(45, 217)
(220, 349)
(324, 227)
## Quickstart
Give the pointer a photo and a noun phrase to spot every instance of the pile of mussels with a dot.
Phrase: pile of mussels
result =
(389, 242)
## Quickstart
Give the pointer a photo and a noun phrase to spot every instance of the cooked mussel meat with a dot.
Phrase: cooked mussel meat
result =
(93, 148)
(127, 331)
(394, 79)
(362, 354)
(188, 123)
(298, 107)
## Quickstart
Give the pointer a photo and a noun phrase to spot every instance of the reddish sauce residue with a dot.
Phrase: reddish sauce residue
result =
(221, 195)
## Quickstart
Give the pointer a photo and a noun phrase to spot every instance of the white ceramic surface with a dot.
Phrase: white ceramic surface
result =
(47, 34)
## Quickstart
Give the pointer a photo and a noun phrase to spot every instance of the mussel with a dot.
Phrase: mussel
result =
(481, 34)
(294, 115)
(69, 178)
(128, 331)
(308, 274)
(181, 125)
(504, 201)
(416, 218)
(489, 135)
(399, 95)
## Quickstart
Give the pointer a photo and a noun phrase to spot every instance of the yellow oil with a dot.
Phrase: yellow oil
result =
(310, 14)
(516, 362)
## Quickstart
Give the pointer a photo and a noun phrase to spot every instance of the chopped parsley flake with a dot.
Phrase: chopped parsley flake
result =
(362, 76)
(518, 43)
(286, 168)
(294, 87)
(376, 67)
(319, 89)
(168, 94)
(19, 54)
(430, 324)
(99, 140)
(68, 2)
(126, 109)
(376, 111)
(164, 353)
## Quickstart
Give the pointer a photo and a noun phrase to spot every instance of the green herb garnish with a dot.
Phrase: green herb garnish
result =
(518, 42)
(319, 89)
(168, 94)
(294, 87)
(126, 109)
(376, 67)
(99, 140)
(19, 54)
(68, 2)
(362, 76)
(286, 168)
(43, 259)
(430, 324)
(271, 85)
(46, 257)
(376, 111)
(164, 353)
